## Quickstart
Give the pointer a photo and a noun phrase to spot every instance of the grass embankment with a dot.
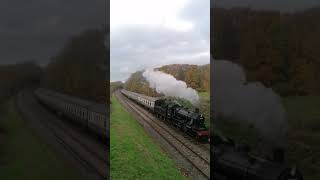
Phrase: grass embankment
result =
(133, 153)
(25, 156)
(303, 136)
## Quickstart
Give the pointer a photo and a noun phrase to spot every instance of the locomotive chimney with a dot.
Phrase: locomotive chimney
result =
(278, 155)
(197, 110)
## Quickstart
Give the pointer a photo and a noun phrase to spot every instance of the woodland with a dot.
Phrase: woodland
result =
(279, 49)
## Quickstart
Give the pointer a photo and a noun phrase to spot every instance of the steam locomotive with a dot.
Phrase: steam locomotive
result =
(190, 122)
(232, 161)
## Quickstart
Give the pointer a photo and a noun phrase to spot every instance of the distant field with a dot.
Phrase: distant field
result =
(204, 94)
(205, 106)
(24, 156)
(133, 154)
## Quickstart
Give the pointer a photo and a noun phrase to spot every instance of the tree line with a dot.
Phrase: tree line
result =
(195, 76)
(137, 83)
(278, 49)
(80, 68)
(15, 77)
(115, 86)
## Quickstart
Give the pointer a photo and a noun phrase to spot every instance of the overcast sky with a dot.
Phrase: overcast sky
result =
(37, 29)
(152, 33)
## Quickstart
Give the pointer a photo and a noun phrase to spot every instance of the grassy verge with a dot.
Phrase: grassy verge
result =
(133, 153)
(23, 155)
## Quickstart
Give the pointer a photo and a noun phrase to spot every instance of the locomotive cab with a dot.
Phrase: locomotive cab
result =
(198, 126)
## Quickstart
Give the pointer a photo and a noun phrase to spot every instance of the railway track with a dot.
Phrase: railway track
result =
(67, 137)
(199, 158)
(86, 151)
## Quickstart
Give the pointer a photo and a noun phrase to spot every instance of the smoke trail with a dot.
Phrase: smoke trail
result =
(170, 86)
(236, 99)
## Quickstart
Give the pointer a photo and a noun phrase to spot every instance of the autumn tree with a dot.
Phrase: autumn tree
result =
(80, 68)
(275, 48)
(15, 77)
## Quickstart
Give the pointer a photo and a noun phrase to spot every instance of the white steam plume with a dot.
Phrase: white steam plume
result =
(236, 99)
(170, 86)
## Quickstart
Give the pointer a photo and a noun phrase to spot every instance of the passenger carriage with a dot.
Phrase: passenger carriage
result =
(92, 116)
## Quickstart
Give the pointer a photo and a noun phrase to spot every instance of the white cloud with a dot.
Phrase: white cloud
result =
(148, 12)
(152, 33)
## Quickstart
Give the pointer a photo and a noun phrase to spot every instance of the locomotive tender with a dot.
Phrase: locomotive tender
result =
(90, 115)
(190, 122)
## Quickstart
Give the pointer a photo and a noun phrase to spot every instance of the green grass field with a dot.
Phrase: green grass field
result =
(133, 154)
(23, 155)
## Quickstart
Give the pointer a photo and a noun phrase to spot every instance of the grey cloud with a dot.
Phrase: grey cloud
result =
(37, 29)
(199, 13)
(139, 47)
